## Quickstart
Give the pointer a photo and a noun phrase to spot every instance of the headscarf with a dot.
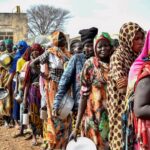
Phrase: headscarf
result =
(55, 37)
(127, 34)
(33, 48)
(26, 55)
(126, 37)
(37, 47)
(24, 45)
(137, 65)
(88, 35)
(57, 51)
(18, 55)
(8, 42)
(104, 36)
(74, 42)
(9, 45)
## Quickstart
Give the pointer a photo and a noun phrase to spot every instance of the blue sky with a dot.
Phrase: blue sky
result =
(107, 15)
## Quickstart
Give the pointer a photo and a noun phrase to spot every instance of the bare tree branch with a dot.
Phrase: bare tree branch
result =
(45, 19)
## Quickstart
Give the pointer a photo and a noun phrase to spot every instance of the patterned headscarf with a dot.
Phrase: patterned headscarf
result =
(55, 49)
(127, 34)
(55, 37)
(104, 36)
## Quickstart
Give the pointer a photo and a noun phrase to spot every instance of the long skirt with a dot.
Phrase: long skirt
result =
(34, 101)
(6, 104)
(57, 130)
(16, 106)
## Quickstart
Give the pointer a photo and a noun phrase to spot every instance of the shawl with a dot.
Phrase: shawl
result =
(126, 36)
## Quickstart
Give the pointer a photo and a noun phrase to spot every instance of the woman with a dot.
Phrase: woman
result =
(131, 40)
(93, 94)
(76, 47)
(5, 108)
(18, 92)
(32, 95)
(70, 79)
(138, 85)
(9, 46)
(22, 46)
(55, 130)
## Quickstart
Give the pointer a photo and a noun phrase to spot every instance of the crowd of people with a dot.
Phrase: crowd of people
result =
(106, 78)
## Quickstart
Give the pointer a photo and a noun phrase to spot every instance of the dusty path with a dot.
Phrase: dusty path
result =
(7, 142)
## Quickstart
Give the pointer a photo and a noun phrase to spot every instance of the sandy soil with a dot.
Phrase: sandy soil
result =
(7, 142)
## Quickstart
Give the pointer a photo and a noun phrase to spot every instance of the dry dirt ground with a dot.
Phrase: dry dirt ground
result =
(7, 142)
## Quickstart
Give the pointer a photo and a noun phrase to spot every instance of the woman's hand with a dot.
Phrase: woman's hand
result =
(73, 135)
(15, 93)
(7, 85)
(55, 112)
(25, 103)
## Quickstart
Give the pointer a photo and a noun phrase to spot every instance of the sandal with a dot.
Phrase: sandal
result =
(18, 135)
(44, 146)
(29, 137)
(34, 143)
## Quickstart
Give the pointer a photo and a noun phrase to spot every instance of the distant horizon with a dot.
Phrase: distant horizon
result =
(105, 15)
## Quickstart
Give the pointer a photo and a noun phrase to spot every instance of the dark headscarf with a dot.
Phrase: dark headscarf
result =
(37, 47)
(74, 42)
(88, 35)
(26, 55)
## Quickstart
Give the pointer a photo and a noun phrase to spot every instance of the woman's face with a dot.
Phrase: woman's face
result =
(9, 47)
(2, 47)
(77, 48)
(88, 49)
(62, 40)
(138, 42)
(103, 49)
(34, 55)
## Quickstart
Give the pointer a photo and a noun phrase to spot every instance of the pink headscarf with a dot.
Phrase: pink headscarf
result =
(136, 66)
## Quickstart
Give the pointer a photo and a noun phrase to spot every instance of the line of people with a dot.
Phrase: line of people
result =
(102, 78)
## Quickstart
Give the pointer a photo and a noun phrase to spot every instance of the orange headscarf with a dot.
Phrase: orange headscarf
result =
(58, 51)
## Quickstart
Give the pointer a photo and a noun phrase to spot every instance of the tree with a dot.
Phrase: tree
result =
(43, 19)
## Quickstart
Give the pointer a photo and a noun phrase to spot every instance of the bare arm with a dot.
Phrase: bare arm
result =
(25, 94)
(9, 81)
(142, 99)
(81, 110)
(17, 83)
(36, 60)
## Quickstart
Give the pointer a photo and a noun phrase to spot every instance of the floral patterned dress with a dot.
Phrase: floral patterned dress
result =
(93, 84)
